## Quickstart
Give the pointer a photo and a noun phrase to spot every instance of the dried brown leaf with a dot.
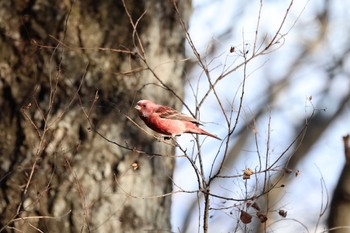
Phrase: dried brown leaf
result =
(245, 217)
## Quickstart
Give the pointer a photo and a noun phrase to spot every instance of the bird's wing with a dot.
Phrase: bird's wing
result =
(170, 113)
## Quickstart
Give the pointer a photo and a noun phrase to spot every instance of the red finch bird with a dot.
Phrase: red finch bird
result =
(166, 120)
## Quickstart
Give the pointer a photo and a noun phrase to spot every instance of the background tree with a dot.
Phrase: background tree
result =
(61, 65)
(339, 220)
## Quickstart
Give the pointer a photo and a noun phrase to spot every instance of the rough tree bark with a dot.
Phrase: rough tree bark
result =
(339, 216)
(56, 173)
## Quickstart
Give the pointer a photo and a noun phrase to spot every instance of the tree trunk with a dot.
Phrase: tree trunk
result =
(339, 216)
(58, 170)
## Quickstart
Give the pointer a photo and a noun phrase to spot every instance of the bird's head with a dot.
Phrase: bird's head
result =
(145, 107)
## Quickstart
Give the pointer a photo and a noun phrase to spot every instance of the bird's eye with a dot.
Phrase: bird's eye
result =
(144, 105)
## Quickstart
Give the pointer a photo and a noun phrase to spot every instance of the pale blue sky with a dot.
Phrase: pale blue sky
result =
(237, 20)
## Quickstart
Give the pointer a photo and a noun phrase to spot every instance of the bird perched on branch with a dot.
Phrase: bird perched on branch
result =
(167, 121)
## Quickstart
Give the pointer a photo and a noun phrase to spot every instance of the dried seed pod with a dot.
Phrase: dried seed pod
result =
(245, 217)
(253, 204)
(256, 206)
(135, 165)
(262, 217)
(282, 213)
(247, 173)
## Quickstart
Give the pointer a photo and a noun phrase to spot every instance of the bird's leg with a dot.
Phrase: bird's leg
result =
(167, 137)
(171, 137)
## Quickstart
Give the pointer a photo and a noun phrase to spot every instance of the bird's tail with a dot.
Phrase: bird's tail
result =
(192, 128)
(209, 134)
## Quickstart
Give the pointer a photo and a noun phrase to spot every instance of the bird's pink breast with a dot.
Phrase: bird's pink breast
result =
(166, 126)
